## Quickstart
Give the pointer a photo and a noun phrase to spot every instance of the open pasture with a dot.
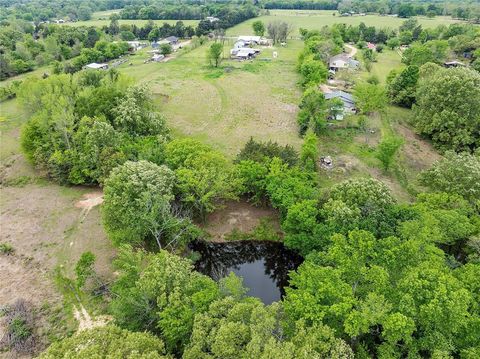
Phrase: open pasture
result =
(225, 106)
(315, 19)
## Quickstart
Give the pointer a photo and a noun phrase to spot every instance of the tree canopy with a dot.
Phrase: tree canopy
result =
(447, 108)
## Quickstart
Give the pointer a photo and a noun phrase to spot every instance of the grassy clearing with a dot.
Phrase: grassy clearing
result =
(386, 62)
(225, 106)
(315, 19)
(105, 22)
(97, 15)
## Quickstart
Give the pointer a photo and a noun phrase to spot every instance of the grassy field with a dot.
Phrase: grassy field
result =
(225, 106)
(106, 22)
(99, 15)
(311, 19)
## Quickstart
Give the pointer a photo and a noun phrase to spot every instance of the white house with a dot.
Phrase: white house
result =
(95, 66)
(342, 61)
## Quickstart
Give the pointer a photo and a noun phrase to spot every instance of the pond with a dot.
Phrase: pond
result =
(263, 265)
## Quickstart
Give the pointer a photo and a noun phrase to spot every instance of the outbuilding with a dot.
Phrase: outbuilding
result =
(95, 66)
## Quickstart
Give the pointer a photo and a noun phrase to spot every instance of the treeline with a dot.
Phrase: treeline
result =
(228, 14)
(301, 4)
(150, 31)
(44, 10)
(165, 12)
(404, 9)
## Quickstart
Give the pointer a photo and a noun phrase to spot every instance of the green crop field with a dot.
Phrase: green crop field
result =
(315, 19)
(225, 106)
(106, 22)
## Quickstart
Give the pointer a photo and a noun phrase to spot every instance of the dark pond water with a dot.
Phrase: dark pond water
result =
(264, 266)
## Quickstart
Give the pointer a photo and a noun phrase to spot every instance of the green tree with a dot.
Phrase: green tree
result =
(135, 114)
(206, 180)
(204, 176)
(214, 54)
(154, 34)
(161, 293)
(166, 49)
(362, 192)
(400, 287)
(393, 43)
(258, 28)
(107, 342)
(457, 173)
(313, 71)
(387, 149)
(309, 153)
(135, 196)
(312, 111)
(401, 89)
(287, 186)
(448, 108)
(370, 98)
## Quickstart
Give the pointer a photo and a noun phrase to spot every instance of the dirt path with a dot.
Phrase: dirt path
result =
(353, 50)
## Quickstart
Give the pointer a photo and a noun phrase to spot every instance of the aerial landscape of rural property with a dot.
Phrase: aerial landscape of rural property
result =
(223, 179)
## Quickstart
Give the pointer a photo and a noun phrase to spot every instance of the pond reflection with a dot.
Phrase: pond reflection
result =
(263, 265)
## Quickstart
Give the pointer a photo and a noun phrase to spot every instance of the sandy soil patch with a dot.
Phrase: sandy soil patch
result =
(241, 216)
(85, 321)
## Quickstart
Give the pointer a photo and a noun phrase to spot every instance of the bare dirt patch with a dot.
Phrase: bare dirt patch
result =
(89, 201)
(419, 154)
(85, 321)
(241, 216)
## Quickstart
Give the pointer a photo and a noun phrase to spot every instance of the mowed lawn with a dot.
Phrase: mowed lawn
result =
(140, 23)
(315, 19)
(226, 106)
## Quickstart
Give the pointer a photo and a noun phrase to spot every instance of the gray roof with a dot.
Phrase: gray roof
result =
(344, 96)
(343, 57)
(172, 39)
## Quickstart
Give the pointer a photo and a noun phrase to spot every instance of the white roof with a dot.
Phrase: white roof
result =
(247, 49)
(242, 53)
(94, 65)
(250, 38)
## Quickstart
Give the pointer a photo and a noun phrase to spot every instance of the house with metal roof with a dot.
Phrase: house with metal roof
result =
(347, 100)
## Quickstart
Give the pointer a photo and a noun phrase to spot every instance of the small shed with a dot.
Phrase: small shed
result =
(172, 40)
(455, 63)
(95, 66)
(248, 40)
